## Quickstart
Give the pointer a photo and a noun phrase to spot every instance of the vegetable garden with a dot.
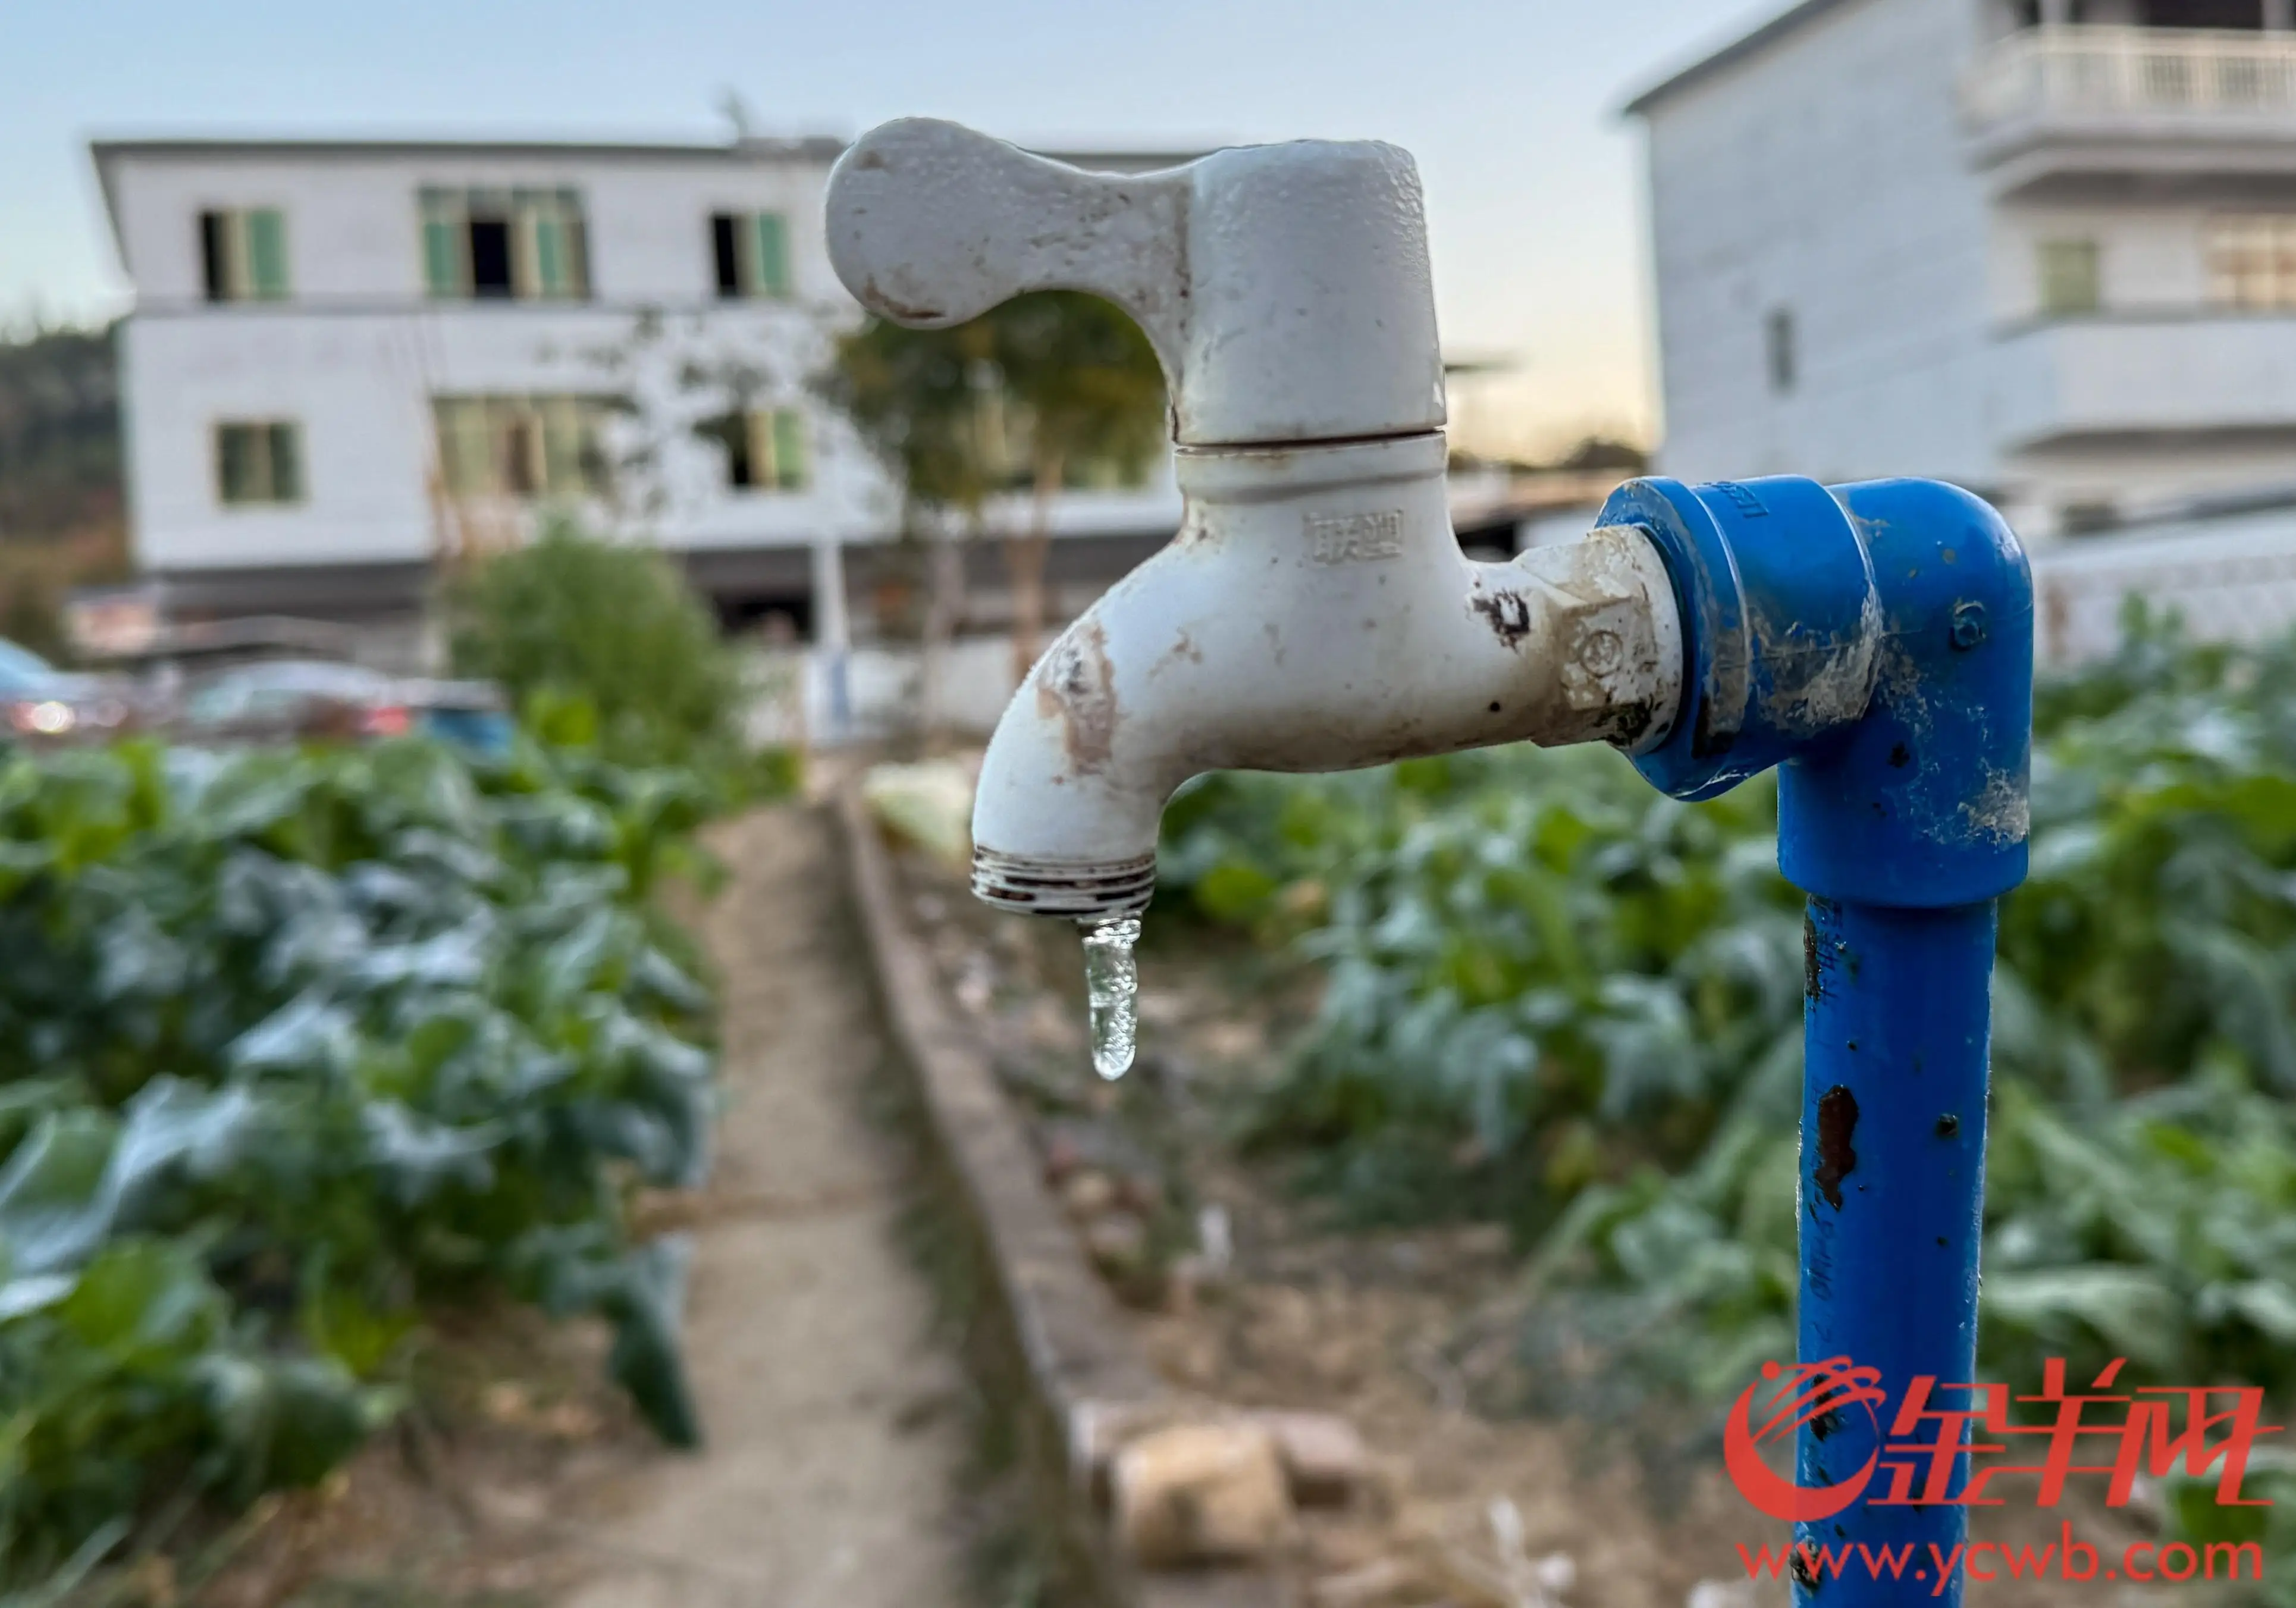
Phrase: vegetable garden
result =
(296, 1046)
(1556, 1000)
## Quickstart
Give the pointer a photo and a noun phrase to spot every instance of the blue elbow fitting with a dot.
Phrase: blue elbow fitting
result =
(1873, 641)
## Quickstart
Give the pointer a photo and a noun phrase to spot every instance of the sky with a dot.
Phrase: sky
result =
(1533, 182)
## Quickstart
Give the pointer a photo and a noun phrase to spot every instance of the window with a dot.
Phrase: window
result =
(522, 447)
(764, 451)
(2033, 13)
(751, 250)
(2070, 278)
(2204, 14)
(2252, 260)
(244, 254)
(259, 462)
(1779, 344)
(527, 245)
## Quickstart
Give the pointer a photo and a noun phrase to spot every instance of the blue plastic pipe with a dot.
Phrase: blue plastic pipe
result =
(1875, 644)
(1893, 1141)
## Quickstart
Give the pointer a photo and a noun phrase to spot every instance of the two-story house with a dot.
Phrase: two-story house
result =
(349, 361)
(2045, 249)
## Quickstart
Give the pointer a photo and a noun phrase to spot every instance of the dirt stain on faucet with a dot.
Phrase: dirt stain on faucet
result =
(1508, 614)
(874, 295)
(1183, 649)
(1077, 686)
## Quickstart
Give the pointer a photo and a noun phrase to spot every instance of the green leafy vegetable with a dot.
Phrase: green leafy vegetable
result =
(1557, 998)
(293, 1044)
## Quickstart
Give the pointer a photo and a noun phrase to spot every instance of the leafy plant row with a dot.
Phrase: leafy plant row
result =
(294, 1046)
(1559, 999)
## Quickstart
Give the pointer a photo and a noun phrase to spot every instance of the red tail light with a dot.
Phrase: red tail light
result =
(387, 720)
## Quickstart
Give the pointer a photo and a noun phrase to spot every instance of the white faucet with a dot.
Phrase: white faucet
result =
(1314, 611)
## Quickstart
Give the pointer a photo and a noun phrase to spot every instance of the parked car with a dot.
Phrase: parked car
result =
(468, 713)
(289, 700)
(42, 704)
(284, 700)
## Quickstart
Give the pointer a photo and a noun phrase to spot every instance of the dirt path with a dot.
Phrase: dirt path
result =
(828, 1475)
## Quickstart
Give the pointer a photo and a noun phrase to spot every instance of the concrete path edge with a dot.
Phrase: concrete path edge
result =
(1084, 1373)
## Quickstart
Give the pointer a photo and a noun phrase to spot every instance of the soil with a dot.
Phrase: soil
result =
(1371, 1326)
(838, 1447)
(835, 1442)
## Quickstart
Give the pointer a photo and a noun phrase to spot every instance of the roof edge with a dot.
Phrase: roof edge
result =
(820, 147)
(106, 152)
(1746, 45)
(105, 149)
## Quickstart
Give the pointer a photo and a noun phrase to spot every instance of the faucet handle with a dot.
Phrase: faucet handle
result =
(1285, 288)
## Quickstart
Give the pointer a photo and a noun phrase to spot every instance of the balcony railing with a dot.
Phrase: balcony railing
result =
(2166, 376)
(2145, 74)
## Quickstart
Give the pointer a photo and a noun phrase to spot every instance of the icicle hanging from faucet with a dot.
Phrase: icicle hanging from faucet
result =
(1111, 981)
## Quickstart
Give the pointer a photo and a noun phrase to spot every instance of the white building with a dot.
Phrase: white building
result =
(2045, 249)
(347, 360)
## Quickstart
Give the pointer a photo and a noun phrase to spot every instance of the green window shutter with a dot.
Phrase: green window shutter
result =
(573, 244)
(574, 240)
(286, 466)
(442, 244)
(790, 465)
(235, 463)
(464, 464)
(2071, 281)
(266, 253)
(549, 249)
(442, 265)
(233, 241)
(757, 435)
(525, 258)
(549, 257)
(562, 446)
(258, 464)
(772, 255)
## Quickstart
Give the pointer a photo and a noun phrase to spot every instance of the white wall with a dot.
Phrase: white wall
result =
(359, 385)
(2146, 479)
(2158, 399)
(2232, 580)
(354, 228)
(1825, 175)
(2149, 255)
(357, 351)
(353, 386)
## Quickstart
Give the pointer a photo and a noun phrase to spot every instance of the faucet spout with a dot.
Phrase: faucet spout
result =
(1313, 614)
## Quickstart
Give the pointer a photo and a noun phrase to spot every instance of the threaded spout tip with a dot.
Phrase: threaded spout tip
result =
(1076, 892)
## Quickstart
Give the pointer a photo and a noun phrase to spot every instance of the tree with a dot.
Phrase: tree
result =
(1065, 378)
(612, 627)
(1605, 452)
(917, 398)
(1088, 383)
(62, 519)
(60, 447)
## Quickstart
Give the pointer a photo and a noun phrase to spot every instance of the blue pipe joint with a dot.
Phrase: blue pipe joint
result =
(1875, 643)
